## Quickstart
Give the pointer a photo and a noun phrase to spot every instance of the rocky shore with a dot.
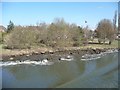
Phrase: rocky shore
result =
(51, 54)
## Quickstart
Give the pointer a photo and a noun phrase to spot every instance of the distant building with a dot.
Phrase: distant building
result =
(2, 28)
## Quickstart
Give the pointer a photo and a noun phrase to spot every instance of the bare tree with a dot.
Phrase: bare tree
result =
(105, 30)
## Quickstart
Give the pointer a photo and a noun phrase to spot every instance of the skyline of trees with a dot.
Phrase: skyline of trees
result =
(58, 34)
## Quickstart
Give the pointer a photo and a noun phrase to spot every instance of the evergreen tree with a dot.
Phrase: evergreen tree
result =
(10, 26)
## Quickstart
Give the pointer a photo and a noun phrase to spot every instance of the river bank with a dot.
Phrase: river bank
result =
(36, 53)
(50, 53)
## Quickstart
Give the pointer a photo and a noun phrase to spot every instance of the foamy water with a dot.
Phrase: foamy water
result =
(29, 62)
(87, 57)
(67, 58)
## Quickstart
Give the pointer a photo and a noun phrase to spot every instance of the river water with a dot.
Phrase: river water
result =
(99, 72)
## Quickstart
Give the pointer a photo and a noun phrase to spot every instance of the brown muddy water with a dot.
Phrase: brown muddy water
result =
(95, 71)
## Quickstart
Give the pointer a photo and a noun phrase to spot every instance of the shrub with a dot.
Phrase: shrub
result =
(21, 38)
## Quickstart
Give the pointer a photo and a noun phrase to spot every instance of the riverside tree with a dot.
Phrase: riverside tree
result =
(58, 33)
(75, 34)
(105, 31)
(61, 33)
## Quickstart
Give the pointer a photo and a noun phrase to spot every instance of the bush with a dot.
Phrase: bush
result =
(21, 38)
